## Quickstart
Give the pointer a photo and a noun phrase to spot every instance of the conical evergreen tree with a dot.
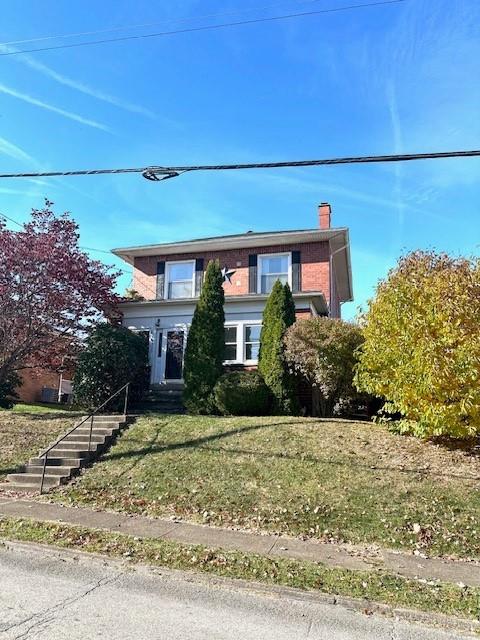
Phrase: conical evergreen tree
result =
(290, 315)
(205, 344)
(278, 315)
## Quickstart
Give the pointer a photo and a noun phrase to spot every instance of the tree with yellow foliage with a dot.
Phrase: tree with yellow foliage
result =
(422, 345)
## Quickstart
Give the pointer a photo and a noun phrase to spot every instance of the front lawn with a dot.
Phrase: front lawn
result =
(23, 435)
(338, 481)
(43, 408)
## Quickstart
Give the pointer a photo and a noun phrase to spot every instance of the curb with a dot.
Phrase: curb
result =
(366, 607)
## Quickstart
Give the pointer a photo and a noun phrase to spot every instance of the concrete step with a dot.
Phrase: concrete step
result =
(33, 479)
(60, 462)
(102, 424)
(77, 445)
(70, 453)
(107, 431)
(165, 392)
(101, 418)
(50, 470)
(162, 399)
(85, 437)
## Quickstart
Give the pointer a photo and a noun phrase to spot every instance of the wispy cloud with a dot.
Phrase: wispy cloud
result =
(18, 192)
(76, 85)
(49, 107)
(13, 151)
(297, 184)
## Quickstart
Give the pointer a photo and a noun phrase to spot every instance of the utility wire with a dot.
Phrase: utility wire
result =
(164, 172)
(2, 215)
(19, 224)
(127, 27)
(203, 28)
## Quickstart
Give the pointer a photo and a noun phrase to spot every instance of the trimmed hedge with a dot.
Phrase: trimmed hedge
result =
(242, 393)
(113, 356)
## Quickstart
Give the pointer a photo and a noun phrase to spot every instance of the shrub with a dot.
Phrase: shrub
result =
(112, 356)
(205, 345)
(242, 393)
(422, 345)
(278, 315)
(8, 395)
(323, 350)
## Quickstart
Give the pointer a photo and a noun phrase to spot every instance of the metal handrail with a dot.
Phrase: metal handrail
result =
(90, 417)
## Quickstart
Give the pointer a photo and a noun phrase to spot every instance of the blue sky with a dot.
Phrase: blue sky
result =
(386, 79)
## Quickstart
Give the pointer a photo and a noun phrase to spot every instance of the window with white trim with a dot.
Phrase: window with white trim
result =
(230, 353)
(252, 341)
(273, 267)
(179, 281)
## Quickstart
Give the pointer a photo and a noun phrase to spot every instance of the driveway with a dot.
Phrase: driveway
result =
(50, 594)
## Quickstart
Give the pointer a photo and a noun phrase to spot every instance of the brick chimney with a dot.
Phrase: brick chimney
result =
(324, 215)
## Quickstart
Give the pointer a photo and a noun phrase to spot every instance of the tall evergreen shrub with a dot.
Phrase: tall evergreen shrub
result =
(205, 345)
(278, 315)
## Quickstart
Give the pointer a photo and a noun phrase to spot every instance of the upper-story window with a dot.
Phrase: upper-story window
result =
(273, 267)
(180, 279)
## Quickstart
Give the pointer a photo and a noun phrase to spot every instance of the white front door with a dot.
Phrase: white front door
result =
(169, 352)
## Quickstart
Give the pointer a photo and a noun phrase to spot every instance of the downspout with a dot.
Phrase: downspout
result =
(332, 253)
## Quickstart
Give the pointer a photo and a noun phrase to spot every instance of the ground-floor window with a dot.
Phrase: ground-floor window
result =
(242, 342)
(231, 346)
(252, 341)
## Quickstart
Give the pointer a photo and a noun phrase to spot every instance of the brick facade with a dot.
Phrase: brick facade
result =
(315, 267)
(33, 382)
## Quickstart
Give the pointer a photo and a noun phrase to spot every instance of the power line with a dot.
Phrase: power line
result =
(203, 28)
(152, 24)
(2, 215)
(97, 250)
(19, 224)
(163, 172)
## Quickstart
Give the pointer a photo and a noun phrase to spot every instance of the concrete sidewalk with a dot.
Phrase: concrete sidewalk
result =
(343, 556)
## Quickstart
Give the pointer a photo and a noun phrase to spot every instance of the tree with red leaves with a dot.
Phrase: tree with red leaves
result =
(50, 292)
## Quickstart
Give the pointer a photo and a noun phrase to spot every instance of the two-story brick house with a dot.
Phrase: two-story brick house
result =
(315, 262)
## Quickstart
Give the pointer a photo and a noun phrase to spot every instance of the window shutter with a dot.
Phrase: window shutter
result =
(160, 280)
(199, 262)
(252, 273)
(296, 272)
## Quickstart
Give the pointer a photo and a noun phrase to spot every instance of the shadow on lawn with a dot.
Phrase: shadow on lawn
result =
(195, 442)
(198, 442)
(340, 463)
(34, 417)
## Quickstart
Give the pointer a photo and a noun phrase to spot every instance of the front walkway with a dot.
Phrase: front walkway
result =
(366, 558)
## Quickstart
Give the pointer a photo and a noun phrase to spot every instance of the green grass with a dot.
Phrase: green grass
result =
(23, 435)
(374, 586)
(41, 408)
(334, 481)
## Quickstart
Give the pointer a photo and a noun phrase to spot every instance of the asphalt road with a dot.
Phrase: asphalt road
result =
(49, 594)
